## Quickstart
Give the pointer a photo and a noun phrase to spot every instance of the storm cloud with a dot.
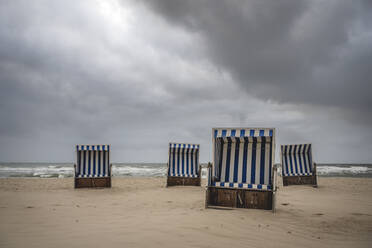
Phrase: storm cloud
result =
(290, 51)
(138, 75)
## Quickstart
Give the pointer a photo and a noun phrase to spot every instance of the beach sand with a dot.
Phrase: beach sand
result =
(142, 212)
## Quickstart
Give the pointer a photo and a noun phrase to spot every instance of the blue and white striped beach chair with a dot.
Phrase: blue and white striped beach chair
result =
(297, 165)
(183, 164)
(242, 173)
(93, 168)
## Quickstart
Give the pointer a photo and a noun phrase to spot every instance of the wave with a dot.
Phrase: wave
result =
(347, 170)
(41, 171)
(139, 170)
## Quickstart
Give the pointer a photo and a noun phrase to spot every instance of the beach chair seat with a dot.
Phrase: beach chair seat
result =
(183, 165)
(92, 168)
(298, 167)
(242, 173)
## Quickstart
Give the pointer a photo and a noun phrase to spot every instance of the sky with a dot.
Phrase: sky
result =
(140, 74)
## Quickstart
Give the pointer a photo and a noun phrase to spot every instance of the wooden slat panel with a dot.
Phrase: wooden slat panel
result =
(239, 198)
(100, 182)
(226, 198)
(298, 180)
(185, 181)
(92, 182)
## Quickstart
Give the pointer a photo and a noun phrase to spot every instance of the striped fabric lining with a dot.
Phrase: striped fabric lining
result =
(92, 147)
(296, 160)
(242, 132)
(242, 185)
(93, 161)
(176, 145)
(183, 175)
(243, 158)
(183, 160)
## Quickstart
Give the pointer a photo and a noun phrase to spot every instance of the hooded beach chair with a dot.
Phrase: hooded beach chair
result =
(242, 173)
(93, 168)
(183, 165)
(297, 165)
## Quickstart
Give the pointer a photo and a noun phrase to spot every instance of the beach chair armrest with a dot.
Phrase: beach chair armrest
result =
(315, 178)
(210, 177)
(275, 177)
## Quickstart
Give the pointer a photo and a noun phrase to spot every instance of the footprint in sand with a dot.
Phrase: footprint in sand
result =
(318, 214)
(360, 214)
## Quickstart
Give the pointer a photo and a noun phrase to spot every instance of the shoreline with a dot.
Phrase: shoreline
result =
(60, 170)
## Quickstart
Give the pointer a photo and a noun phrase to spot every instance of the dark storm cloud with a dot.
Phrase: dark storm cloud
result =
(316, 52)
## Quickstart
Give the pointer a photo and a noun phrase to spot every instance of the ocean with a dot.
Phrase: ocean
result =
(62, 170)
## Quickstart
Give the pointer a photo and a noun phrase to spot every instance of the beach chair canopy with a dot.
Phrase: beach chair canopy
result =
(183, 160)
(296, 160)
(243, 158)
(92, 161)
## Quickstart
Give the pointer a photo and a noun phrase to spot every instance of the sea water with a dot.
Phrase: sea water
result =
(62, 170)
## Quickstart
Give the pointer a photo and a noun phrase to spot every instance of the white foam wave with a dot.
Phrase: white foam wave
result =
(139, 171)
(46, 171)
(339, 170)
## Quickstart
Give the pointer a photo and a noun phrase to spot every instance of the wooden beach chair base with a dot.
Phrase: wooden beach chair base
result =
(299, 180)
(183, 181)
(93, 182)
(239, 198)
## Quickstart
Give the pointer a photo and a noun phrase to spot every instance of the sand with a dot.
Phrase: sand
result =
(141, 212)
